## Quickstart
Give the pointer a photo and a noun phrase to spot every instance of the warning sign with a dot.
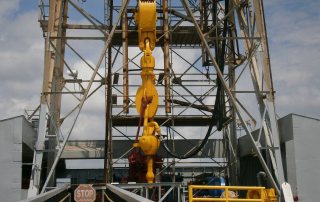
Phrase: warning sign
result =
(85, 193)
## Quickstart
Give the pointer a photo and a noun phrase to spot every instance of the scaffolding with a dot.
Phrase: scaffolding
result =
(212, 69)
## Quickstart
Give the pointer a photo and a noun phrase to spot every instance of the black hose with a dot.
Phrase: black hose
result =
(219, 109)
(219, 106)
(195, 150)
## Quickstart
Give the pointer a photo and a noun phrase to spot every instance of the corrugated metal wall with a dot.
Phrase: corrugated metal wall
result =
(12, 133)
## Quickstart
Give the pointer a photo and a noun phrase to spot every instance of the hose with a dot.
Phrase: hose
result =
(195, 150)
(219, 109)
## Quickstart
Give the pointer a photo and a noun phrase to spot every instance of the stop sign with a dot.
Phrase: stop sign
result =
(84, 193)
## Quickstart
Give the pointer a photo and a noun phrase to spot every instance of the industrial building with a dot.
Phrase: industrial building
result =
(298, 134)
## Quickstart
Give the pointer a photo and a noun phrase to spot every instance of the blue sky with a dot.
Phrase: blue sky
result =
(293, 29)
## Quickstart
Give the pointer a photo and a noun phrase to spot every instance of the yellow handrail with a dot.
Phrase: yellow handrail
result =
(225, 189)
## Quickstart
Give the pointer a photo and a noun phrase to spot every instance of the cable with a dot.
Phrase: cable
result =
(219, 109)
(195, 150)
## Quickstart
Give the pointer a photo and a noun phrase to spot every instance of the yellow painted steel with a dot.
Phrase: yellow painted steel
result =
(150, 174)
(147, 92)
(261, 194)
(146, 18)
(267, 194)
(147, 96)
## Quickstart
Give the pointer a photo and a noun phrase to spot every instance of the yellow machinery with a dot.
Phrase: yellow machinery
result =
(254, 194)
(147, 95)
(268, 195)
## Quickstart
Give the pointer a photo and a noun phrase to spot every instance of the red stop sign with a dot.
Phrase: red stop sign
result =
(84, 193)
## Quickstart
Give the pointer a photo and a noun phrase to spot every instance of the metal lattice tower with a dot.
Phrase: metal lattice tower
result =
(212, 68)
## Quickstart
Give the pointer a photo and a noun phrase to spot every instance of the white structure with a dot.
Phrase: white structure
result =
(16, 143)
(300, 139)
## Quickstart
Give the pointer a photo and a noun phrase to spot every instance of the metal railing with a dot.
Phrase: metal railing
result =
(144, 191)
(126, 195)
(50, 195)
(170, 187)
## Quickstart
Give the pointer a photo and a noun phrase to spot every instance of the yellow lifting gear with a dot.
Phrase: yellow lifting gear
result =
(146, 18)
(147, 96)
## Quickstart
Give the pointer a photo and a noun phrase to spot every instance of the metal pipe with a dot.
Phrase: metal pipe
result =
(60, 93)
(166, 56)
(108, 115)
(233, 152)
(261, 176)
(125, 62)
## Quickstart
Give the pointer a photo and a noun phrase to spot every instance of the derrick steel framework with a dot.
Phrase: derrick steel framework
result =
(212, 67)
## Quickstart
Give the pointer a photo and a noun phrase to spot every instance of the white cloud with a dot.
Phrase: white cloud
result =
(21, 56)
(293, 29)
(7, 7)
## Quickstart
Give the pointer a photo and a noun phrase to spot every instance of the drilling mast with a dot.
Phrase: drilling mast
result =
(205, 71)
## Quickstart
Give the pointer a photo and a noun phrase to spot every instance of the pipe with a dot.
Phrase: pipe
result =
(261, 176)
(125, 63)
(166, 57)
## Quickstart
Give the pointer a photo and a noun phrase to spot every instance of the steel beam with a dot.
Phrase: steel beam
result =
(57, 85)
(34, 185)
(125, 63)
(258, 5)
(89, 17)
(126, 195)
(108, 94)
(166, 56)
(86, 93)
(48, 195)
(55, 17)
(233, 145)
(187, 121)
(232, 99)
(272, 133)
